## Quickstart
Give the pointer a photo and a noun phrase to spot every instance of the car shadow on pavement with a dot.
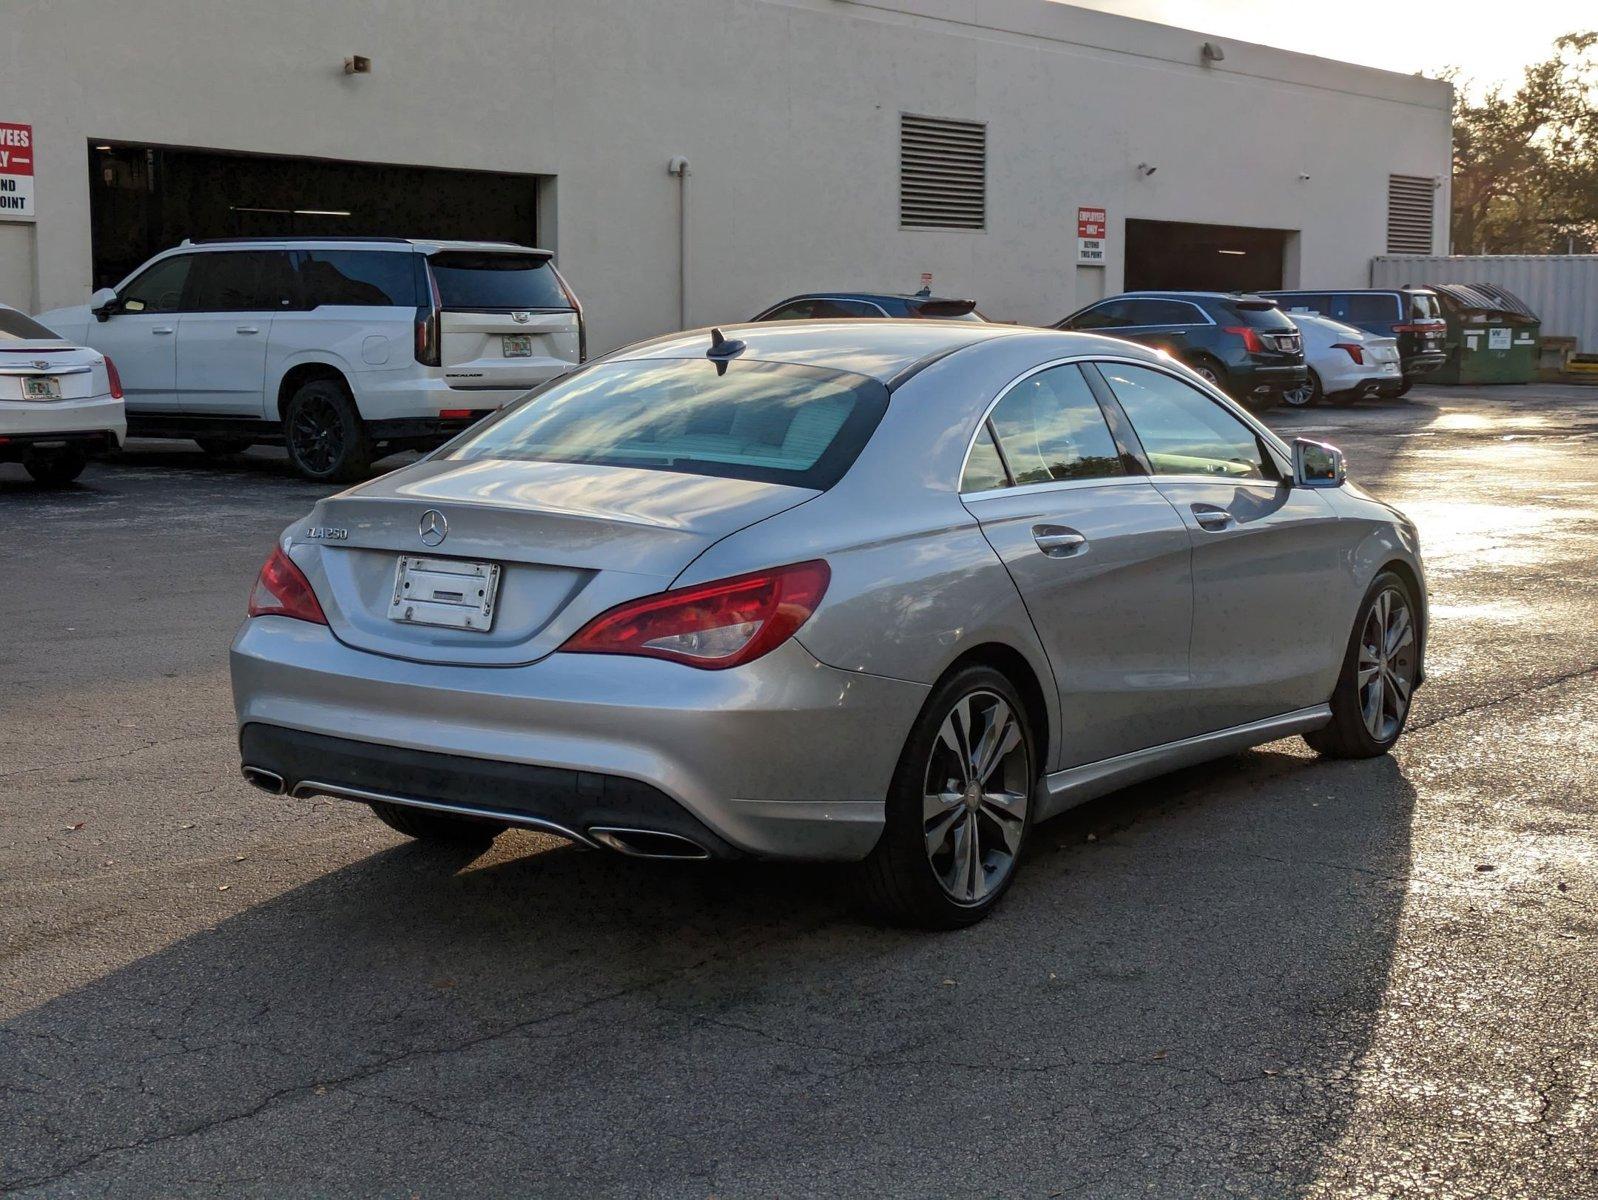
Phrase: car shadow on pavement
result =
(1173, 1000)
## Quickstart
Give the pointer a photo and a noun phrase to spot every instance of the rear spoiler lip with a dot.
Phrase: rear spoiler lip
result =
(945, 308)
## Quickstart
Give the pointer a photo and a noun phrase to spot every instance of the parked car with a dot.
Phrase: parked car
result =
(1241, 343)
(1344, 363)
(341, 349)
(887, 593)
(59, 403)
(813, 306)
(1410, 314)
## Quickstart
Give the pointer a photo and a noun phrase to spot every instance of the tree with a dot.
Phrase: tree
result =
(1526, 163)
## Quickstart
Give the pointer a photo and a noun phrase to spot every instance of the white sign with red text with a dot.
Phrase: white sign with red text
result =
(16, 170)
(1090, 236)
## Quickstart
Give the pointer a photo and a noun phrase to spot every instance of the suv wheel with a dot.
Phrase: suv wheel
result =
(959, 806)
(57, 468)
(1211, 372)
(327, 441)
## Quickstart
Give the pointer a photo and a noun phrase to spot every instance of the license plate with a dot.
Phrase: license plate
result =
(1389, 368)
(518, 345)
(448, 592)
(41, 387)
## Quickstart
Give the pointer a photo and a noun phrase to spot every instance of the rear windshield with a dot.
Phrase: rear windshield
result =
(1261, 318)
(769, 422)
(1423, 306)
(470, 279)
(14, 327)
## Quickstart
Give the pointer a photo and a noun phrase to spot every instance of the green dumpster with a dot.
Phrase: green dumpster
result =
(1492, 335)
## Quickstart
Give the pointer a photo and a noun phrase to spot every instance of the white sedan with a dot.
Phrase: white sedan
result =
(59, 403)
(1345, 364)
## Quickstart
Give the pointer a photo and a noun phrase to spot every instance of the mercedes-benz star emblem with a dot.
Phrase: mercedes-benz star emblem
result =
(433, 527)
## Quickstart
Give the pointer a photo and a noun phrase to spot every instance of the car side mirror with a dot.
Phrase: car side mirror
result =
(103, 304)
(1317, 465)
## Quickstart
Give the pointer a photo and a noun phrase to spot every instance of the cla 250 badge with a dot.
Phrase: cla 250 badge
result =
(326, 533)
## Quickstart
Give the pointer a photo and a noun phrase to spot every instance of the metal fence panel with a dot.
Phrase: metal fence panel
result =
(1562, 289)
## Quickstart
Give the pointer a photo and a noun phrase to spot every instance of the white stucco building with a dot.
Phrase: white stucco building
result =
(830, 144)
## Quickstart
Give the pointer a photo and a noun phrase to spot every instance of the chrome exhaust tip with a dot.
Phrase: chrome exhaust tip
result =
(647, 843)
(267, 781)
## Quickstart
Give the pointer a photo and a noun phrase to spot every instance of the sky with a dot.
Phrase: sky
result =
(1489, 40)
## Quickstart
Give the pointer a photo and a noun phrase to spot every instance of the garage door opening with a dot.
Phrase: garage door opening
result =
(1166, 255)
(144, 199)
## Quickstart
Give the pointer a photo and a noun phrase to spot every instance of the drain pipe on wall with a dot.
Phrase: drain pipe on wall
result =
(679, 167)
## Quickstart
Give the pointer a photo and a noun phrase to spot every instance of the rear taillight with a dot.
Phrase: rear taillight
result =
(429, 338)
(1251, 340)
(112, 379)
(1353, 351)
(710, 625)
(577, 307)
(281, 590)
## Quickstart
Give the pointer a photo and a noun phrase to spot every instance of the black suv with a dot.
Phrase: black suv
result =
(1244, 344)
(827, 306)
(1413, 315)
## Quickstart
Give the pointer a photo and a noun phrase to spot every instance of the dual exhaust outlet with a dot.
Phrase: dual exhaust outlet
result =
(635, 843)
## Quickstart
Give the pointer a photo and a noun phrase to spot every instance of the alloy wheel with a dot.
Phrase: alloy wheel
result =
(974, 804)
(317, 432)
(1386, 664)
(1299, 397)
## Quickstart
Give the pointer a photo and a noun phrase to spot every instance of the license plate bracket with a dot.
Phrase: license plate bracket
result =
(449, 593)
(517, 345)
(41, 387)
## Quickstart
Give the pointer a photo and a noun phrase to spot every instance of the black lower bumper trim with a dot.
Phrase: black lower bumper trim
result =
(14, 447)
(574, 800)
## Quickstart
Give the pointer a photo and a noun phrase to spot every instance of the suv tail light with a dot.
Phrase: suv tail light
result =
(577, 307)
(112, 379)
(429, 338)
(713, 626)
(1251, 340)
(1353, 351)
(281, 590)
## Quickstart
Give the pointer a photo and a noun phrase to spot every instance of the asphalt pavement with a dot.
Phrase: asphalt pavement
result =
(1269, 976)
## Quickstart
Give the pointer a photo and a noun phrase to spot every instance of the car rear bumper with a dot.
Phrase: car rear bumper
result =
(781, 758)
(424, 392)
(96, 423)
(1423, 364)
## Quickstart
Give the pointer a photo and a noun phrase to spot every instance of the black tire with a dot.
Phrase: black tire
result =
(56, 468)
(220, 447)
(1403, 388)
(899, 880)
(1349, 735)
(327, 440)
(1209, 369)
(427, 826)
(1308, 395)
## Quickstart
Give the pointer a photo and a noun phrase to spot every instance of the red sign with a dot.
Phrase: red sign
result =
(16, 169)
(1090, 222)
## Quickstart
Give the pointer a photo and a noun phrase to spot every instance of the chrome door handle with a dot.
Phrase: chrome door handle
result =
(1057, 541)
(1213, 519)
(161, 329)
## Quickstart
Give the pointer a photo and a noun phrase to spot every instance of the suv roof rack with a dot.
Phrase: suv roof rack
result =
(325, 237)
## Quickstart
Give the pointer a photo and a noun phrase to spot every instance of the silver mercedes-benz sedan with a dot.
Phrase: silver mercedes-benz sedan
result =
(882, 592)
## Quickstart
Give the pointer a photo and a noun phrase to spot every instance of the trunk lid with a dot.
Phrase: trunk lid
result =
(506, 318)
(78, 373)
(570, 540)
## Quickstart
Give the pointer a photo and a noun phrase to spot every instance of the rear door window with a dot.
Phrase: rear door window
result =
(1050, 429)
(984, 469)
(1165, 312)
(483, 280)
(1183, 431)
(370, 278)
(1114, 314)
(771, 422)
(241, 281)
(1368, 308)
